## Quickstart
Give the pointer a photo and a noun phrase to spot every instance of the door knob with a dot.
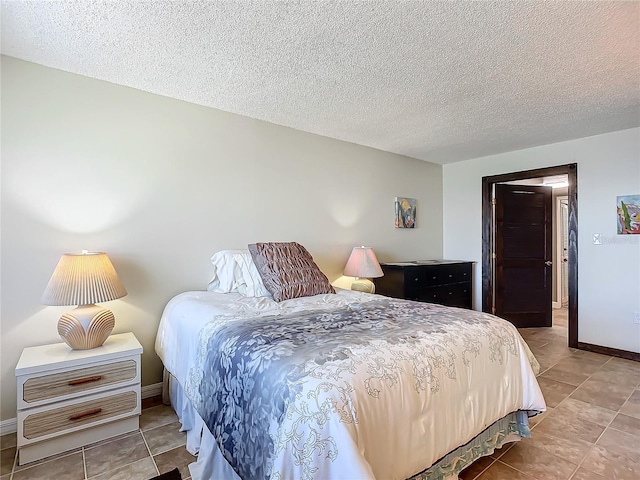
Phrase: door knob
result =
(548, 263)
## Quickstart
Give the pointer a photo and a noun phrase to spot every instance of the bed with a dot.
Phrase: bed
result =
(339, 385)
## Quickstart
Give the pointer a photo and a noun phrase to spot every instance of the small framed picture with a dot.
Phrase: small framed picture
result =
(405, 209)
(629, 215)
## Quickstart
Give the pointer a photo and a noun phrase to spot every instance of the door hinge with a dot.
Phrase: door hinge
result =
(493, 201)
(493, 255)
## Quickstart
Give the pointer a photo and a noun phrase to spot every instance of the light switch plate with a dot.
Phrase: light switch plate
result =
(597, 239)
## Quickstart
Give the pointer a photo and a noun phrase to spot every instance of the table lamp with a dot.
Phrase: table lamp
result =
(363, 265)
(83, 279)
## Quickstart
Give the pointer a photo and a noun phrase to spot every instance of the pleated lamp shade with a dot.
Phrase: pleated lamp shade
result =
(84, 279)
(363, 264)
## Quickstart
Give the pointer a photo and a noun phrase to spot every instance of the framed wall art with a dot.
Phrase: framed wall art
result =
(405, 209)
(628, 214)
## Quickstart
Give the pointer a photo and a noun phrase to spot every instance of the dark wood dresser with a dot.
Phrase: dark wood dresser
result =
(447, 282)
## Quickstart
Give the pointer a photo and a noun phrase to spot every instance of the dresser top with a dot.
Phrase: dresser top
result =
(59, 355)
(416, 263)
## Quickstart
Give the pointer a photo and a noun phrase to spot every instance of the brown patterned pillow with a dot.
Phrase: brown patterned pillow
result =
(288, 270)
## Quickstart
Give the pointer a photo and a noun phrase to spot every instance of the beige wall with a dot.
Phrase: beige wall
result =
(161, 185)
(608, 274)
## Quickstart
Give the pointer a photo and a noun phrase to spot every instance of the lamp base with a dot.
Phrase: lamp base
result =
(86, 326)
(363, 285)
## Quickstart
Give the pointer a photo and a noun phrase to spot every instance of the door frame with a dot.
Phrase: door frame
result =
(558, 253)
(571, 170)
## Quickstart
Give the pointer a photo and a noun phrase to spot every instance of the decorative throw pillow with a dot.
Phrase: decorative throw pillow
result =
(288, 270)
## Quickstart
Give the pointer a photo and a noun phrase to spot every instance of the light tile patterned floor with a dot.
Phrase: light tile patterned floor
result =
(591, 431)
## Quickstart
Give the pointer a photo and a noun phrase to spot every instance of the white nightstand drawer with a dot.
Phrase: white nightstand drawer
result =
(64, 417)
(46, 387)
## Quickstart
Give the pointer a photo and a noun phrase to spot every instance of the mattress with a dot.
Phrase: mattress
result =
(345, 385)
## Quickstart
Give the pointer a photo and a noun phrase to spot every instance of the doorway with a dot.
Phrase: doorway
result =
(489, 293)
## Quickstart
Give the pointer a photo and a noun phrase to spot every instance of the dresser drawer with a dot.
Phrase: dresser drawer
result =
(40, 389)
(456, 273)
(423, 276)
(39, 423)
(431, 295)
(455, 295)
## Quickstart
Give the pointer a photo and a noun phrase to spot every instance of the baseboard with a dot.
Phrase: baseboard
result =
(152, 390)
(614, 352)
(11, 425)
(8, 426)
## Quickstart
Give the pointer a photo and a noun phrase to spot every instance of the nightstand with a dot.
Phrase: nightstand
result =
(70, 398)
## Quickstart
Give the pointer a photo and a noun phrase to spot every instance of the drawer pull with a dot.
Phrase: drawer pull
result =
(80, 381)
(78, 416)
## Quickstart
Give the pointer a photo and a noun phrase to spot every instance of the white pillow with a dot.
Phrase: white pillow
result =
(234, 271)
(251, 284)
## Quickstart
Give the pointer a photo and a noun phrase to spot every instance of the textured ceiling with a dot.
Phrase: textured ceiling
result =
(439, 81)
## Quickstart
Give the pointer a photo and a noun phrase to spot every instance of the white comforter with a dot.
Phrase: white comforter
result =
(426, 401)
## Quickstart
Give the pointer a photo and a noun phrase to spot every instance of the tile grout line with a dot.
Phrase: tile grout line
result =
(514, 468)
(155, 465)
(15, 460)
(575, 470)
(494, 460)
(84, 464)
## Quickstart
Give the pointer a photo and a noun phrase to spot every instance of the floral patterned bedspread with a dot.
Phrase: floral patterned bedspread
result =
(380, 389)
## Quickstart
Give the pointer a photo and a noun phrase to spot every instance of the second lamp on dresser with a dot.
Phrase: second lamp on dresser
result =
(447, 282)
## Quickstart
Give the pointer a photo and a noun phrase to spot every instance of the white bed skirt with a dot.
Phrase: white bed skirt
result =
(211, 465)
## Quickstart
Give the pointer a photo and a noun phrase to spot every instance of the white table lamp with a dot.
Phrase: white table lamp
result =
(363, 265)
(83, 279)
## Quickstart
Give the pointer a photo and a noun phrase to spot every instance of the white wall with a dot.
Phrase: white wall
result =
(161, 185)
(608, 274)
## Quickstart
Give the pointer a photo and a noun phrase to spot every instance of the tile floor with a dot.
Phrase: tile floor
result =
(590, 432)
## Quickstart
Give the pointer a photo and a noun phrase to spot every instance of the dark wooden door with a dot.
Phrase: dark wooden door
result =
(523, 255)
